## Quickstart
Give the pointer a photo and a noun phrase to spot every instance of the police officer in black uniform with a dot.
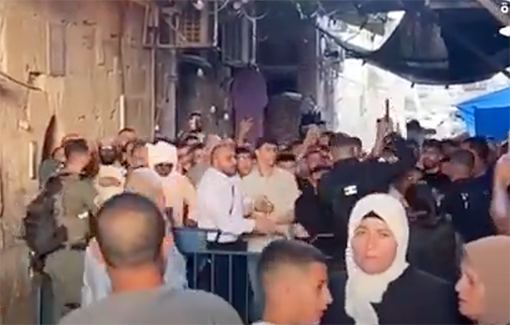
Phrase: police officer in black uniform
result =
(350, 179)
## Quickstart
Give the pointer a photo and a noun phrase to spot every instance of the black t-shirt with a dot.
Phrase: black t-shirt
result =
(437, 181)
(468, 204)
(414, 298)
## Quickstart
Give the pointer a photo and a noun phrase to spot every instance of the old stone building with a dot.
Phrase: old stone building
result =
(84, 63)
(97, 66)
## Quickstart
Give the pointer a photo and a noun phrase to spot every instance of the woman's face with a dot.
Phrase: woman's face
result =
(471, 292)
(374, 246)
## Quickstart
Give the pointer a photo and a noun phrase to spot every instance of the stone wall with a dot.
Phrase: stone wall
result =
(75, 60)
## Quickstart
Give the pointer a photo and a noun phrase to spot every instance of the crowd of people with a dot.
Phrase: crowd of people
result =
(313, 232)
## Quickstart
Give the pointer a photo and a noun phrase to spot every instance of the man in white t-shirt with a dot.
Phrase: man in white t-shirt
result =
(295, 281)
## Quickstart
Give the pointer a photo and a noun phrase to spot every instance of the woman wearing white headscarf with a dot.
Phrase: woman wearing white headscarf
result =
(484, 297)
(380, 287)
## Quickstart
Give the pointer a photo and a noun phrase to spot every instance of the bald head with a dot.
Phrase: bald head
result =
(223, 159)
(130, 231)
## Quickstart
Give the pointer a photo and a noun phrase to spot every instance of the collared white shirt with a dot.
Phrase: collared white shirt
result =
(220, 206)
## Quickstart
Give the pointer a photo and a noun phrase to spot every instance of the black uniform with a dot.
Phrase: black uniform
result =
(415, 297)
(468, 204)
(350, 180)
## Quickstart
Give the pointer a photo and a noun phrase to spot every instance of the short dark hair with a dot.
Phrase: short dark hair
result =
(133, 145)
(480, 146)
(433, 144)
(295, 144)
(339, 140)
(126, 129)
(244, 151)
(191, 138)
(357, 141)
(463, 157)
(285, 157)
(265, 140)
(198, 146)
(75, 146)
(130, 231)
(181, 145)
(448, 142)
(288, 252)
(327, 134)
(164, 139)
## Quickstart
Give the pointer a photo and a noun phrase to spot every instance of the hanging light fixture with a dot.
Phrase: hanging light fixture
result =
(198, 4)
(237, 5)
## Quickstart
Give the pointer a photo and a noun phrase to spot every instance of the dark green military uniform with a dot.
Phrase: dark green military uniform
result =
(47, 169)
(65, 266)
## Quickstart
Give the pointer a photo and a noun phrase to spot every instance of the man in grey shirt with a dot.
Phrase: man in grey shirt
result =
(134, 264)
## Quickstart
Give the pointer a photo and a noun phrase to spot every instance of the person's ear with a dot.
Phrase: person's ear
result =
(167, 243)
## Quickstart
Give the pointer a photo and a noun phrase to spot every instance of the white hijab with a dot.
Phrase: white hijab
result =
(162, 153)
(362, 289)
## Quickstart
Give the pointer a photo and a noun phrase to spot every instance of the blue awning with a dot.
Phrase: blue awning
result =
(488, 115)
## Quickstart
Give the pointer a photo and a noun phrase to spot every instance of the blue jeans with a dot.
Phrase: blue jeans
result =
(257, 304)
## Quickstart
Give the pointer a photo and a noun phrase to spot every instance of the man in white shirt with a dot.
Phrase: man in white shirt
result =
(221, 206)
(295, 280)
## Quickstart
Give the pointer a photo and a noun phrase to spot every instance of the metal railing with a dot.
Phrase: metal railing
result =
(224, 273)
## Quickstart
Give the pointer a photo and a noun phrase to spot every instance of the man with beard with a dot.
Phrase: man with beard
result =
(430, 163)
(221, 207)
(110, 178)
(483, 170)
(467, 203)
(124, 137)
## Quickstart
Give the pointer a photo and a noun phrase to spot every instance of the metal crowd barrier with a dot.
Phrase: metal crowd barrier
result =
(224, 273)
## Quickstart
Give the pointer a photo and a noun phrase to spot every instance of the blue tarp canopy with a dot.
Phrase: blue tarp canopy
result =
(488, 115)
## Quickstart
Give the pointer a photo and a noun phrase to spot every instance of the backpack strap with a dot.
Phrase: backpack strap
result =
(58, 208)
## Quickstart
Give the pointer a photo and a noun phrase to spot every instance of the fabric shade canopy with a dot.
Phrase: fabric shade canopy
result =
(488, 115)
